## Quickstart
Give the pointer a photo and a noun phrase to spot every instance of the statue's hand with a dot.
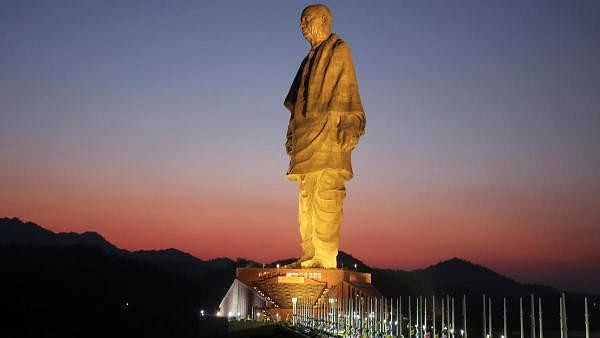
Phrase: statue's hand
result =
(347, 140)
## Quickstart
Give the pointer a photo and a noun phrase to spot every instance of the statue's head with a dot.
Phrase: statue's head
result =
(315, 23)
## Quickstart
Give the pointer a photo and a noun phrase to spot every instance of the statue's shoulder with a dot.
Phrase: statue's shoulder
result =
(340, 46)
(338, 41)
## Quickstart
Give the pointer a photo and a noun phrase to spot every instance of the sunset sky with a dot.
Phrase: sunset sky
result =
(160, 124)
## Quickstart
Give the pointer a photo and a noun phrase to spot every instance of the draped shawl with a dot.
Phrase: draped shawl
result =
(324, 103)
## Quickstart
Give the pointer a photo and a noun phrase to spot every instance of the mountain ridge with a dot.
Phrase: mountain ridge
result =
(157, 292)
(453, 271)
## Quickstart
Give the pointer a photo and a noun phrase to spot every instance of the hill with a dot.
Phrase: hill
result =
(83, 283)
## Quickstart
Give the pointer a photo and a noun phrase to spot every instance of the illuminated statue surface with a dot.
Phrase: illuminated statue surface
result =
(326, 122)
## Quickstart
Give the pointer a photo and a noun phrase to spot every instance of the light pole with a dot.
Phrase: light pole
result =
(294, 302)
(540, 317)
(564, 308)
(453, 327)
(484, 318)
(465, 315)
(587, 322)
(409, 316)
(443, 316)
(521, 316)
(504, 317)
(490, 315)
(532, 316)
(433, 314)
(331, 313)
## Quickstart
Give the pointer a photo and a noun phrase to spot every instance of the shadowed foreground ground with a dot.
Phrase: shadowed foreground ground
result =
(265, 331)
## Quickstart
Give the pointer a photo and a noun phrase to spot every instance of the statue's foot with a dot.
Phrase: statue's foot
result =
(297, 264)
(312, 263)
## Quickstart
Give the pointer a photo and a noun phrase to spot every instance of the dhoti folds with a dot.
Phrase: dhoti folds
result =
(320, 214)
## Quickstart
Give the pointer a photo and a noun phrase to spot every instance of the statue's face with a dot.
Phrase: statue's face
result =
(312, 25)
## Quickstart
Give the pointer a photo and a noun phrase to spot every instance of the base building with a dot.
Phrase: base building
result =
(278, 293)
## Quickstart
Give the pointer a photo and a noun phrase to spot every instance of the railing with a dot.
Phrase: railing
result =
(424, 317)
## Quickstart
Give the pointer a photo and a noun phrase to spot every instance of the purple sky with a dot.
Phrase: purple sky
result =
(160, 124)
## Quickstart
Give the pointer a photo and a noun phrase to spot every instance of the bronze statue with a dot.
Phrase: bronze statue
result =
(326, 122)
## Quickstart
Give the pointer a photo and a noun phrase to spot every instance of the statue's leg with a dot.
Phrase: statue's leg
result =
(328, 215)
(306, 185)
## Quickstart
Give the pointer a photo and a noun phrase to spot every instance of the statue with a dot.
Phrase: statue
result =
(326, 122)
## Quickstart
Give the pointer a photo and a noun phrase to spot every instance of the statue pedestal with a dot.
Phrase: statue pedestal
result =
(257, 292)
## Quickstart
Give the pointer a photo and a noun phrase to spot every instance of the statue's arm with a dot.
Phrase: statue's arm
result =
(352, 122)
(351, 127)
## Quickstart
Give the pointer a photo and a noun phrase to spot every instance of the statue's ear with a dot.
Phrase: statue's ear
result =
(324, 18)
